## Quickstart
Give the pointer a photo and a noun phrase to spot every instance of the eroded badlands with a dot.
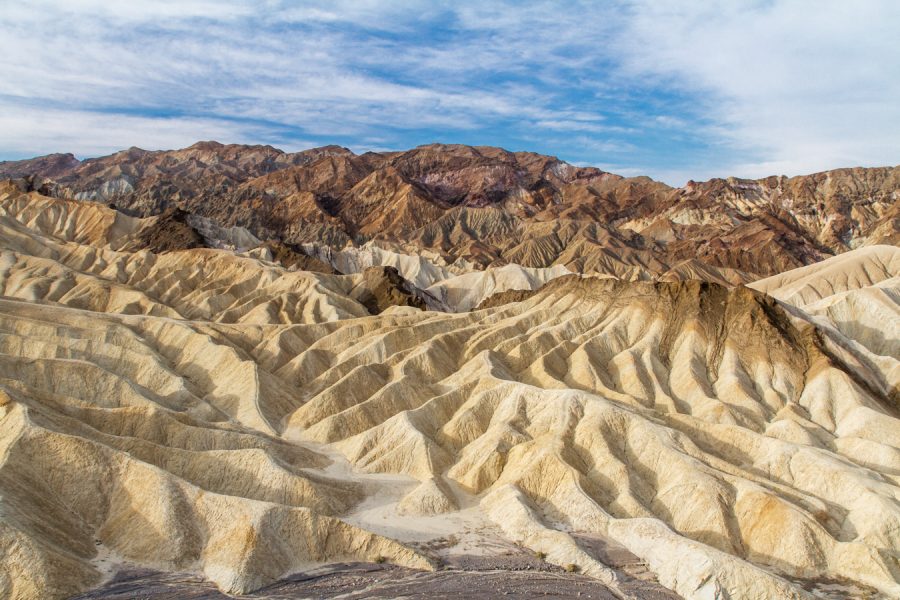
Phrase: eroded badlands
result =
(211, 411)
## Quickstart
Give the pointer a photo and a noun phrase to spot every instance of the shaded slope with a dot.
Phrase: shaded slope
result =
(861, 268)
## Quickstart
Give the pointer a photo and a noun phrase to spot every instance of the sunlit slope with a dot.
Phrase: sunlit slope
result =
(595, 403)
(77, 254)
(145, 439)
(846, 272)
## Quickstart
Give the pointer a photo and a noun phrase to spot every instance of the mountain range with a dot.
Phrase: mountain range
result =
(490, 207)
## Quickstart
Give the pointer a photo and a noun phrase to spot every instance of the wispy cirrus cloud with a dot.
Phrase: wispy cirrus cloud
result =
(674, 90)
(48, 130)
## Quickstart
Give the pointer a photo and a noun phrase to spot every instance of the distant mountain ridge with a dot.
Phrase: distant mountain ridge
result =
(491, 207)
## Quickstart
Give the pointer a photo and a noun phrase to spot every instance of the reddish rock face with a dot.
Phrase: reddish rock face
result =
(491, 206)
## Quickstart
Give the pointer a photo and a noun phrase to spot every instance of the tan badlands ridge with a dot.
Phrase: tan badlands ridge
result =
(209, 410)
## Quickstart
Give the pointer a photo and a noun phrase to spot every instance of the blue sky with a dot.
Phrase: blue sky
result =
(673, 90)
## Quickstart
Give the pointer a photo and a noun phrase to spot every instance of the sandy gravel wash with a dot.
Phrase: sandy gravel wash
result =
(732, 443)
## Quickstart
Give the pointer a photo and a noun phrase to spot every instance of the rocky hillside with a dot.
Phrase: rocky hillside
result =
(491, 207)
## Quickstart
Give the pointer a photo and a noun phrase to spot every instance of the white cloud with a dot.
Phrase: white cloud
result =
(795, 86)
(29, 131)
(133, 11)
(571, 125)
(599, 146)
(150, 58)
(670, 122)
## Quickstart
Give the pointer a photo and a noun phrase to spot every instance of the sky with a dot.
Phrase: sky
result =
(676, 90)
